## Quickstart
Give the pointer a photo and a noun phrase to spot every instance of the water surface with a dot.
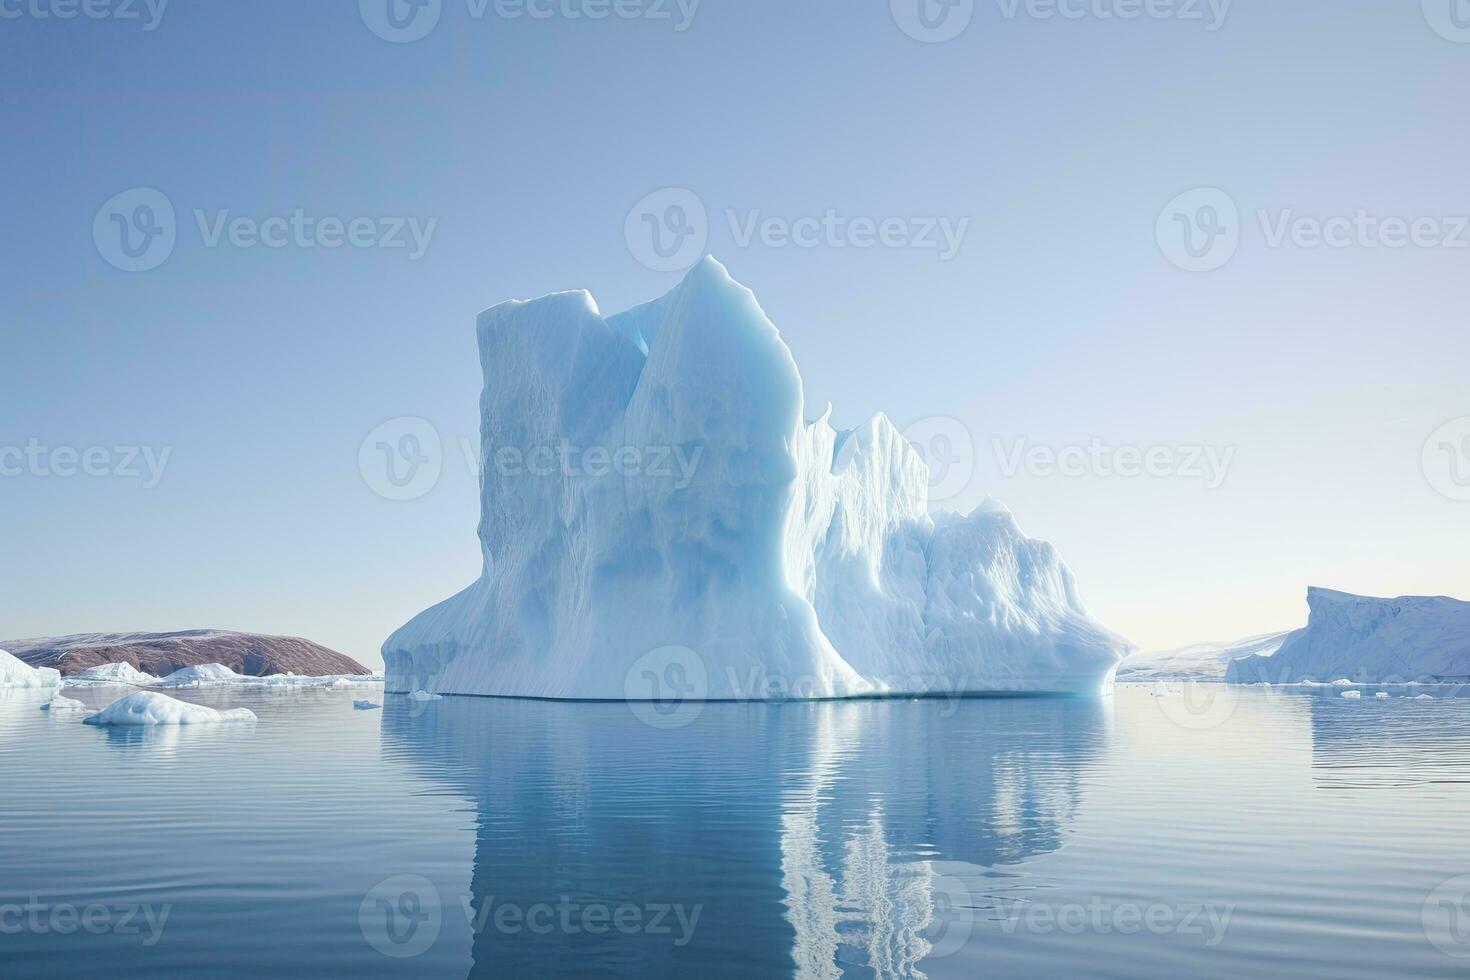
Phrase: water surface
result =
(1269, 832)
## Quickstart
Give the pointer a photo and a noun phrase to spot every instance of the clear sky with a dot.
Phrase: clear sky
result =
(518, 145)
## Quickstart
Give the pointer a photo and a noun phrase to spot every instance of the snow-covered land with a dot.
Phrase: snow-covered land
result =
(153, 708)
(15, 672)
(1200, 662)
(779, 557)
(1369, 641)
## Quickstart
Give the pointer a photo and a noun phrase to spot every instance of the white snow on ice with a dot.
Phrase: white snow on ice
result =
(775, 557)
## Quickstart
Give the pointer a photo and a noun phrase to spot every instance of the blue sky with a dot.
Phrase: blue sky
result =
(518, 146)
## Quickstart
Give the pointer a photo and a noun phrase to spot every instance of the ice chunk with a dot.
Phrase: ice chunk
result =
(60, 703)
(365, 705)
(424, 696)
(153, 708)
(1351, 694)
(1373, 641)
(1424, 697)
(1383, 695)
(15, 672)
(121, 672)
(700, 514)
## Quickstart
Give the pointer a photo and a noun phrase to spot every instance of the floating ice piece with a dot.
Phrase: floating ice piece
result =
(365, 705)
(424, 696)
(120, 672)
(1351, 694)
(707, 539)
(15, 672)
(152, 708)
(60, 703)
(1424, 697)
(1383, 695)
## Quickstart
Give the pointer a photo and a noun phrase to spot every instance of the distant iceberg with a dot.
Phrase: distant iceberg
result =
(153, 708)
(775, 558)
(1198, 662)
(201, 675)
(1411, 639)
(120, 672)
(15, 672)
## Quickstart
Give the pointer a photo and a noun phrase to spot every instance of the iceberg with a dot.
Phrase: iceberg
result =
(15, 672)
(120, 672)
(365, 705)
(657, 517)
(201, 675)
(1365, 640)
(152, 708)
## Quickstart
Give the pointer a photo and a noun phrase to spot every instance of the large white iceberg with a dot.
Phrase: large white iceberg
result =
(649, 484)
(15, 672)
(152, 708)
(1424, 639)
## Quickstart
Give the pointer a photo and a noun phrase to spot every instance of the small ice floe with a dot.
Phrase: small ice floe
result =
(424, 696)
(15, 672)
(1341, 682)
(120, 672)
(152, 708)
(1351, 694)
(60, 703)
(365, 705)
(1424, 697)
(1383, 695)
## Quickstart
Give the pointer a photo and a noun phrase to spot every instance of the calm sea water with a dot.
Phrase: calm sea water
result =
(1279, 833)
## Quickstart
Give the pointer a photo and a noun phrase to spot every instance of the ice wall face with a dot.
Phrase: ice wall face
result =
(1369, 640)
(649, 482)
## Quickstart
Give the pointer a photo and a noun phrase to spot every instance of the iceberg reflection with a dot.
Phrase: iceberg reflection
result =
(803, 839)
